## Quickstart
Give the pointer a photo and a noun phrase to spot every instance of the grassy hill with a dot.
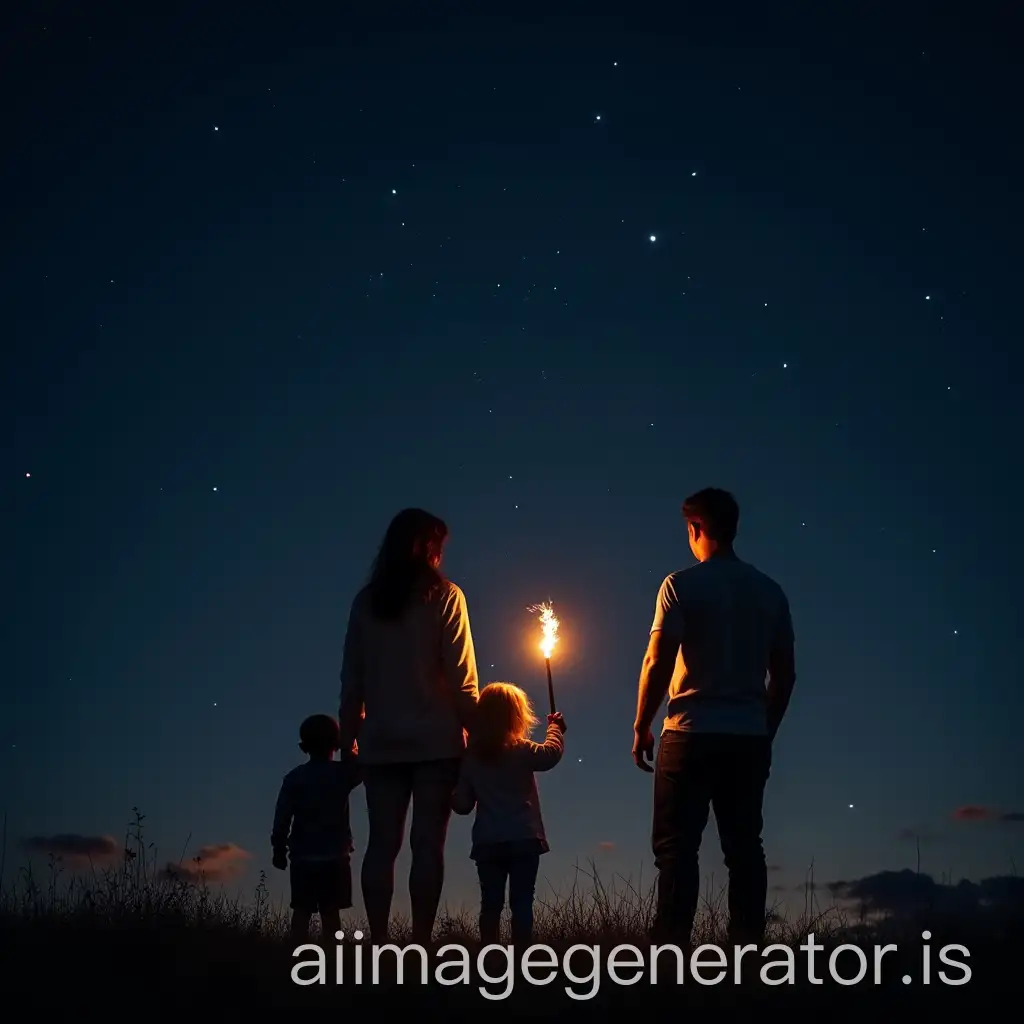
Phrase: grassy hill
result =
(156, 944)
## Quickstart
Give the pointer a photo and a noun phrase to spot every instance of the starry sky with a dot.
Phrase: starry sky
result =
(268, 280)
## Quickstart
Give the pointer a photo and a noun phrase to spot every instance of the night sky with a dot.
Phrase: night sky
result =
(269, 279)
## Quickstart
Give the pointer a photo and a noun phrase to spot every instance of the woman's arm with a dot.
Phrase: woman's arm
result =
(464, 799)
(350, 710)
(458, 655)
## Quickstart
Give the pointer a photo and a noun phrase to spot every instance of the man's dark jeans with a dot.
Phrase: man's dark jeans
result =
(694, 773)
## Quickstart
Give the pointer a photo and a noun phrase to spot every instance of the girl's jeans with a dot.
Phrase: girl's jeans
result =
(519, 874)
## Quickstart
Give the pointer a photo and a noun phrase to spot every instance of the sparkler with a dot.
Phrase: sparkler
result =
(549, 637)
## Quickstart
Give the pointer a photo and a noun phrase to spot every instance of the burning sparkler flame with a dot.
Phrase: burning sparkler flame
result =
(549, 628)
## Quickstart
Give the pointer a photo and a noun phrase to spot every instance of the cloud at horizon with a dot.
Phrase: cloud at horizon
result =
(978, 812)
(904, 893)
(76, 849)
(216, 862)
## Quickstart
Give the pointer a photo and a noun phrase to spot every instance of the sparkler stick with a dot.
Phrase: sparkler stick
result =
(549, 637)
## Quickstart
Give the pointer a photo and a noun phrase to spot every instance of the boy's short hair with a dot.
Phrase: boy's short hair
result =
(716, 512)
(319, 734)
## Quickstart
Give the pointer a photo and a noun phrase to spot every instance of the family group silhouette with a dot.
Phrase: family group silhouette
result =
(415, 729)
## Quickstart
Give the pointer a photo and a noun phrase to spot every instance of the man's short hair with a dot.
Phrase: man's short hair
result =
(716, 512)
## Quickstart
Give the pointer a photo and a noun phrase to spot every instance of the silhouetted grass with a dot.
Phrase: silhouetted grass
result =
(185, 939)
(139, 891)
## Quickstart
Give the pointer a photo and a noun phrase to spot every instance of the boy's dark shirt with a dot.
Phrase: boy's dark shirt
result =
(311, 820)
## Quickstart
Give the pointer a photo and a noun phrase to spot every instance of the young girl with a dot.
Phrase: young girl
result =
(497, 779)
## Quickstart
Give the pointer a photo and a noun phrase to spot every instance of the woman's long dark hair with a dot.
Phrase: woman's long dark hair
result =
(406, 567)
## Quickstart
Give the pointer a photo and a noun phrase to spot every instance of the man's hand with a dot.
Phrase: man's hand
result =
(280, 860)
(643, 748)
(556, 719)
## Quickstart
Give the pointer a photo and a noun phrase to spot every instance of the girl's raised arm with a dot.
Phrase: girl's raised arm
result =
(542, 757)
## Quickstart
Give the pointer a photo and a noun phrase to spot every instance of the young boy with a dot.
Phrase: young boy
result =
(311, 822)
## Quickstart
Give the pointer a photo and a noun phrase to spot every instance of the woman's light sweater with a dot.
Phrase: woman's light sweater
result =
(414, 680)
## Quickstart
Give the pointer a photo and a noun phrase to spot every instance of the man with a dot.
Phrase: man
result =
(720, 627)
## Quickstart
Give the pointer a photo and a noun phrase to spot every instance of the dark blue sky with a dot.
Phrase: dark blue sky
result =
(267, 280)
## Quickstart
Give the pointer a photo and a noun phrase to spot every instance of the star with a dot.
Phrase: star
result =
(653, 238)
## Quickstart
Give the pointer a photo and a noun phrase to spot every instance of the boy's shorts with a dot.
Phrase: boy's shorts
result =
(320, 886)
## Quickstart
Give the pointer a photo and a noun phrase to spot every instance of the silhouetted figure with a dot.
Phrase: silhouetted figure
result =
(498, 780)
(311, 823)
(719, 629)
(408, 691)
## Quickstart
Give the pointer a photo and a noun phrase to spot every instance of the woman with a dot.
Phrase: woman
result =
(408, 690)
